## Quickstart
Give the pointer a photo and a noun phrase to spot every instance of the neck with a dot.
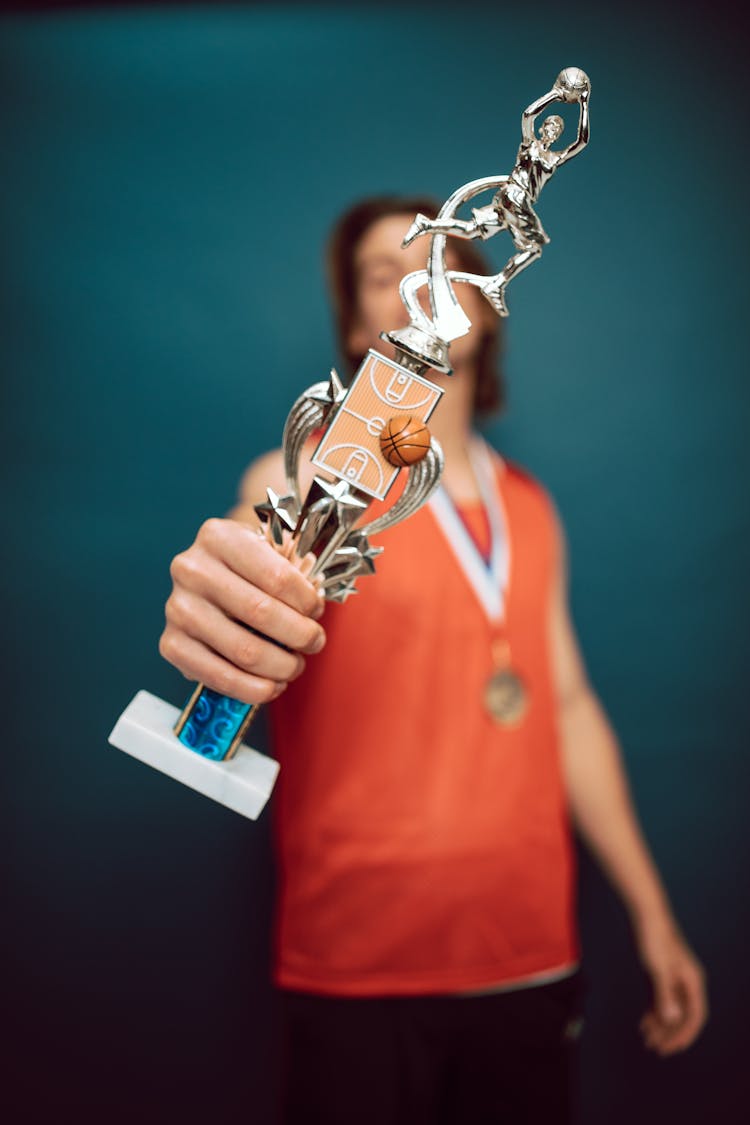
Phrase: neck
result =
(452, 426)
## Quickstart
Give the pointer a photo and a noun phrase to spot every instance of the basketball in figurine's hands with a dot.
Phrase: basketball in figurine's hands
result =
(571, 83)
(404, 440)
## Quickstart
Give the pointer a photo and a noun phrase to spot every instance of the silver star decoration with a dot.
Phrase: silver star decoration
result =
(359, 540)
(353, 560)
(331, 397)
(345, 564)
(341, 492)
(330, 509)
(312, 523)
(279, 512)
(341, 592)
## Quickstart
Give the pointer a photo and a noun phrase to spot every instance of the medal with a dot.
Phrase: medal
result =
(505, 695)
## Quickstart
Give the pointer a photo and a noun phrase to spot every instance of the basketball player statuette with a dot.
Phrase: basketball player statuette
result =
(372, 431)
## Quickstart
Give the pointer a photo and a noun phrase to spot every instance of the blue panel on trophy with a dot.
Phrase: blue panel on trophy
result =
(213, 724)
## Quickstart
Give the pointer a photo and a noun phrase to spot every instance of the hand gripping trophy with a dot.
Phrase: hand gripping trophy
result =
(372, 431)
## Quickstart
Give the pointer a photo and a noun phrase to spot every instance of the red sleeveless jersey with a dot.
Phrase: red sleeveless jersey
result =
(422, 847)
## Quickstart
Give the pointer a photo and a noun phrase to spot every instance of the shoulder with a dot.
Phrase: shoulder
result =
(533, 496)
(524, 481)
(264, 472)
(267, 471)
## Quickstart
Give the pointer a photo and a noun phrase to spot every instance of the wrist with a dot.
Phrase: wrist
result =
(652, 912)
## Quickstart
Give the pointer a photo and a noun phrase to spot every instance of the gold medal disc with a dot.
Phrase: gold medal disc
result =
(505, 697)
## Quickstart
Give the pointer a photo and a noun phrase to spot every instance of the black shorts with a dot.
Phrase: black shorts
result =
(509, 1057)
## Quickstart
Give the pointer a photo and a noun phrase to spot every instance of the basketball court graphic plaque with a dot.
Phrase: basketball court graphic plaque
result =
(351, 448)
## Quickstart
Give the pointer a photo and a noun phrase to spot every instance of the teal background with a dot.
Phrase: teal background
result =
(169, 178)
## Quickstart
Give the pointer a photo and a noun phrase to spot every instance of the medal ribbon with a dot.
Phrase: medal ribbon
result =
(489, 581)
(505, 696)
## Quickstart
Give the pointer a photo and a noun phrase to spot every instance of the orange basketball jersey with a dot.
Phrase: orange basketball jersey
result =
(422, 847)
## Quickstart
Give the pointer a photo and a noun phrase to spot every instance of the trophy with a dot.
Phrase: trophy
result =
(371, 432)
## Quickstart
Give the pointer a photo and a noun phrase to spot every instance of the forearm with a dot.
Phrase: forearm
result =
(583, 124)
(531, 113)
(583, 128)
(582, 137)
(602, 808)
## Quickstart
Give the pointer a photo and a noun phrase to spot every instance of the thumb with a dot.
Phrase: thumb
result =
(666, 1000)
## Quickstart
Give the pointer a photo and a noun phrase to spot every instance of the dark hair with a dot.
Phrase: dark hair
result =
(489, 393)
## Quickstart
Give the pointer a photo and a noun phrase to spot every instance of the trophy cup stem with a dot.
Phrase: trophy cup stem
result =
(214, 725)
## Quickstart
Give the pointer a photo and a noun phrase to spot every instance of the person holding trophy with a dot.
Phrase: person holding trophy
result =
(439, 740)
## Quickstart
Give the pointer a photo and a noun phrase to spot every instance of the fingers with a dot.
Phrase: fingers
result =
(655, 1034)
(197, 662)
(241, 600)
(692, 992)
(666, 1000)
(680, 1011)
(242, 647)
(254, 560)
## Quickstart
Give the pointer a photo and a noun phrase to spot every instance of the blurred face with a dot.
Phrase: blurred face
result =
(380, 263)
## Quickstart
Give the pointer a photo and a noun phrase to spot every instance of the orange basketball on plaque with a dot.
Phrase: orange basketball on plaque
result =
(404, 440)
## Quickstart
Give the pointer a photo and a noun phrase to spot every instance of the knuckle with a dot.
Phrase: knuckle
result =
(310, 637)
(169, 646)
(259, 608)
(178, 566)
(231, 682)
(277, 577)
(211, 530)
(314, 602)
(225, 682)
(310, 633)
(266, 691)
(223, 677)
(183, 568)
(175, 609)
(245, 654)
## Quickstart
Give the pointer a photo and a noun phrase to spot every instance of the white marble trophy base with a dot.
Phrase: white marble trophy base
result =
(145, 730)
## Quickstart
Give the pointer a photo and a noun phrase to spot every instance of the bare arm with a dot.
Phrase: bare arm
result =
(531, 113)
(265, 472)
(603, 811)
(582, 138)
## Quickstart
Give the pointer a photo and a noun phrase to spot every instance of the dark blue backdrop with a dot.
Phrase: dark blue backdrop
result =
(169, 179)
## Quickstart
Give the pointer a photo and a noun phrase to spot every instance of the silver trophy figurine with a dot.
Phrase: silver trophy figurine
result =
(371, 432)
